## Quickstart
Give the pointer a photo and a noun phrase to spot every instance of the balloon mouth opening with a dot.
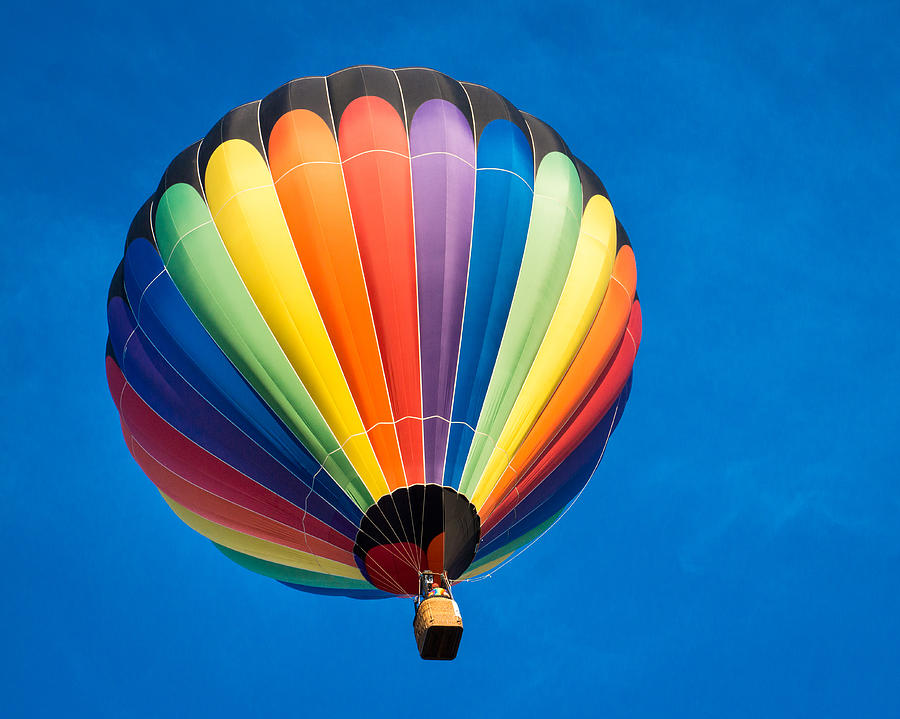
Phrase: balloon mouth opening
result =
(416, 529)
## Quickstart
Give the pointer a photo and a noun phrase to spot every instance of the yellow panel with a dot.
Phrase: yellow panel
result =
(245, 207)
(260, 548)
(581, 297)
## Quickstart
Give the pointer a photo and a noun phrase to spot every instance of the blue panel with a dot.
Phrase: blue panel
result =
(502, 212)
(177, 403)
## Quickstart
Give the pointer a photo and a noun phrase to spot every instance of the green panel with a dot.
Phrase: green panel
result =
(202, 270)
(292, 574)
(549, 247)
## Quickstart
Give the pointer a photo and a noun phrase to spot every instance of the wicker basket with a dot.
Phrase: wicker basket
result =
(438, 627)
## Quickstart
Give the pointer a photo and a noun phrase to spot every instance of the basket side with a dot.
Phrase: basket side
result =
(438, 627)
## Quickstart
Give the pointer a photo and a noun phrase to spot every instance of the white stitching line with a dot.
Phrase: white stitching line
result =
(401, 419)
(400, 154)
(510, 172)
(137, 312)
(239, 192)
(444, 153)
(304, 164)
(377, 149)
(181, 237)
(562, 204)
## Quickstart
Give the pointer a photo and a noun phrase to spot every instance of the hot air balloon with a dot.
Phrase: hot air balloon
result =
(371, 334)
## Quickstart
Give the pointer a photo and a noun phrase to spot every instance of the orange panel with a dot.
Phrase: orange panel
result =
(305, 164)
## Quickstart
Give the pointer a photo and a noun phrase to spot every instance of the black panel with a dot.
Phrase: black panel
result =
(434, 510)
(242, 123)
(308, 93)
(462, 531)
(140, 225)
(182, 169)
(590, 183)
(420, 85)
(488, 106)
(621, 236)
(381, 524)
(117, 284)
(544, 139)
(347, 85)
(109, 351)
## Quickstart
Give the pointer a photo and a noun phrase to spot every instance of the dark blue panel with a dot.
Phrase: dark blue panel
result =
(170, 325)
(177, 403)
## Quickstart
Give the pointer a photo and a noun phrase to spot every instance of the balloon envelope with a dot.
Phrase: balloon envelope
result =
(375, 323)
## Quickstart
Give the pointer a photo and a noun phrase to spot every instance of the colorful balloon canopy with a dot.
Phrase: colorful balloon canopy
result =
(375, 323)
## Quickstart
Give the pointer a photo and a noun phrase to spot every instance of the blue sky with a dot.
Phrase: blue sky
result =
(739, 552)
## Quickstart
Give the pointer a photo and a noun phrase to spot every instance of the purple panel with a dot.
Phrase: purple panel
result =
(442, 149)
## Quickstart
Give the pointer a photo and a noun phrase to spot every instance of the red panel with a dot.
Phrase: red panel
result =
(435, 554)
(197, 468)
(230, 515)
(388, 567)
(375, 156)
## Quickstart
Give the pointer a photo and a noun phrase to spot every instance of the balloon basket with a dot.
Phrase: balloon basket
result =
(438, 624)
